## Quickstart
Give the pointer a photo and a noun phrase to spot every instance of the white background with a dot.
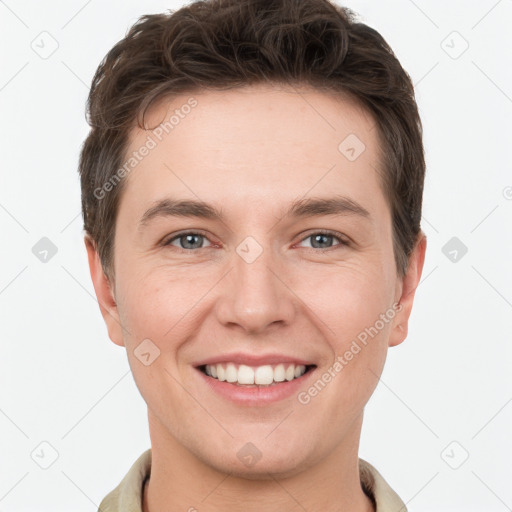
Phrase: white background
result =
(63, 382)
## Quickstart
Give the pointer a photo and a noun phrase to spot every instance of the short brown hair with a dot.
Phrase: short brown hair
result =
(222, 44)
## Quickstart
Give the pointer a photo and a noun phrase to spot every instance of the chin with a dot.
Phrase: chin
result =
(251, 463)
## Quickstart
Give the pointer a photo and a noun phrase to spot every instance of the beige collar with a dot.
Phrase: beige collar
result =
(127, 496)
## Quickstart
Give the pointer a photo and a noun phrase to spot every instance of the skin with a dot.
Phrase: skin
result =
(251, 152)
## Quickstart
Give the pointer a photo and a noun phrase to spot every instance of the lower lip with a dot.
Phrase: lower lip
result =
(252, 396)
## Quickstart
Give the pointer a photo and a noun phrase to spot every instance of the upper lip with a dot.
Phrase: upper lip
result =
(254, 360)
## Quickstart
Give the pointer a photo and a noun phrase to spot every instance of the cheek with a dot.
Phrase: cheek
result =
(356, 312)
(154, 305)
(356, 318)
(348, 300)
(158, 311)
(154, 318)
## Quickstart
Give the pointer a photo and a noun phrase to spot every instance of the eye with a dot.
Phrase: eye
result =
(187, 241)
(323, 240)
(190, 240)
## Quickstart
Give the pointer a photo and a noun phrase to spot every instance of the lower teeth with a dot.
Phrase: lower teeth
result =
(253, 385)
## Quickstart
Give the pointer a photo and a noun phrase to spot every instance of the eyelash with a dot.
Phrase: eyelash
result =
(334, 234)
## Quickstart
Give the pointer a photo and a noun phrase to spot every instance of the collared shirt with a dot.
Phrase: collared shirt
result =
(127, 496)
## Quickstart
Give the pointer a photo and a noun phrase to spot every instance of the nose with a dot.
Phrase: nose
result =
(255, 296)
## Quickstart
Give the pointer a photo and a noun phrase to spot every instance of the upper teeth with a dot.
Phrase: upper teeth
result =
(263, 375)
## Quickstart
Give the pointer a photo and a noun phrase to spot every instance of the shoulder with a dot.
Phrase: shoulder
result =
(127, 496)
(375, 486)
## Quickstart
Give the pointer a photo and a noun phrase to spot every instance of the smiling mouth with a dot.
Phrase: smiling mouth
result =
(255, 376)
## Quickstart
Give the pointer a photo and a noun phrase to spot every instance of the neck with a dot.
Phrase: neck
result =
(181, 481)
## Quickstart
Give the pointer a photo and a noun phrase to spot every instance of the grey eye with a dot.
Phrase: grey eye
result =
(188, 241)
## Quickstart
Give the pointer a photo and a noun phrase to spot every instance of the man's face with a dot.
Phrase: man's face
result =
(260, 282)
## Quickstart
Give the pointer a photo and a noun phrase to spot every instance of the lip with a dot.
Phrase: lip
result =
(253, 359)
(256, 396)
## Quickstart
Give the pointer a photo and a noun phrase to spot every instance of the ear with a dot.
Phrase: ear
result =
(104, 294)
(406, 290)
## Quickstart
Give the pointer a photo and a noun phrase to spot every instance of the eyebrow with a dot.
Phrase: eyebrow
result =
(309, 207)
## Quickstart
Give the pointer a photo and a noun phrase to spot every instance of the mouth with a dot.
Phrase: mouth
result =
(263, 376)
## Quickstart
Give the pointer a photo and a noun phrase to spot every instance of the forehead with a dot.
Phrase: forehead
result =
(259, 145)
(263, 113)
